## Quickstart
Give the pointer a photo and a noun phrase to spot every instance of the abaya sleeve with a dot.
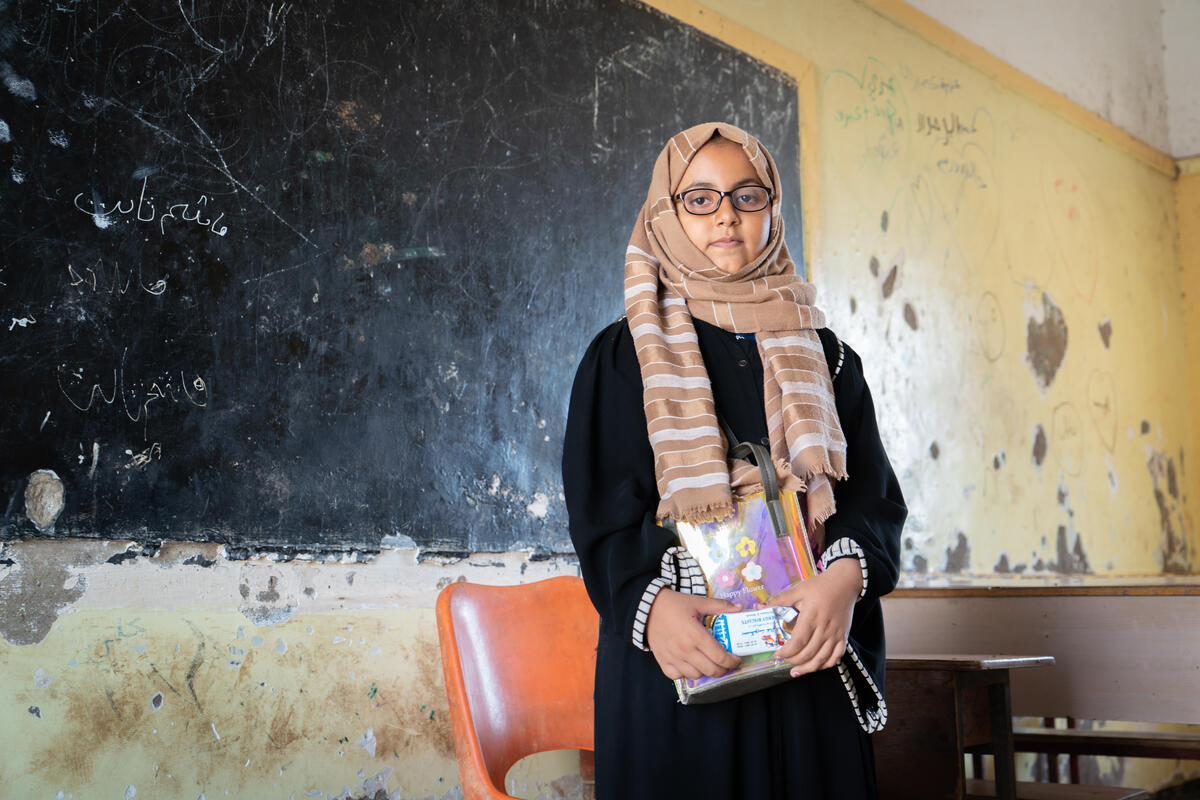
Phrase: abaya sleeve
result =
(608, 480)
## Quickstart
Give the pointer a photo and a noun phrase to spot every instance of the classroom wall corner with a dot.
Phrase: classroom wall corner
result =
(1187, 199)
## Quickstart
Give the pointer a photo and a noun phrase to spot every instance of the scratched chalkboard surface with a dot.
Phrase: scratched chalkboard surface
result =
(302, 276)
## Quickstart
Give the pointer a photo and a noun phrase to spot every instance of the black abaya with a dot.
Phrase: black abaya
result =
(798, 739)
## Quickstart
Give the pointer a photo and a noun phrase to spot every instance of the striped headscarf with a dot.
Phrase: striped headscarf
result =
(668, 281)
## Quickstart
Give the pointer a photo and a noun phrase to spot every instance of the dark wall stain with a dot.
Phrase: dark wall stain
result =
(1071, 560)
(998, 460)
(853, 305)
(958, 558)
(1106, 332)
(883, 221)
(1145, 427)
(889, 283)
(934, 451)
(920, 564)
(910, 316)
(1046, 342)
(1173, 545)
(873, 265)
(1039, 445)
(1002, 564)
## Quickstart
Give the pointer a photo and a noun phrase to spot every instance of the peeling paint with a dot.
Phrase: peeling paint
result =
(1071, 560)
(1039, 445)
(958, 558)
(1173, 542)
(262, 602)
(889, 283)
(36, 591)
(1045, 340)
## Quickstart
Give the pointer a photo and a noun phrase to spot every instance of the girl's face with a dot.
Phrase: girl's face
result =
(730, 238)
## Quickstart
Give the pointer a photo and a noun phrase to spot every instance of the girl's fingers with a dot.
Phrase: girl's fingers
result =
(711, 649)
(788, 597)
(802, 635)
(839, 650)
(818, 642)
(813, 664)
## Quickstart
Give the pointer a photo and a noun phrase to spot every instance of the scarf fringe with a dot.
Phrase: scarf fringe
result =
(710, 512)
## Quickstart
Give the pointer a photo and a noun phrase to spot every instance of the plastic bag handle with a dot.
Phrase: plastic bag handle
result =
(761, 457)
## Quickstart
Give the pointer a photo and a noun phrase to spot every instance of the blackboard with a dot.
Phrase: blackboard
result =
(305, 276)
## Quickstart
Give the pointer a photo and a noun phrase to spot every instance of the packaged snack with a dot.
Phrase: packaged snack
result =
(748, 633)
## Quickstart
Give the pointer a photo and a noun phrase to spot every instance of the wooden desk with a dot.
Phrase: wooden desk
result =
(941, 707)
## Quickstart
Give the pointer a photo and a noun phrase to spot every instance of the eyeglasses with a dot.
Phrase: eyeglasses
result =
(702, 202)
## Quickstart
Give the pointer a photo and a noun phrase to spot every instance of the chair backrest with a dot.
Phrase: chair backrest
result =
(519, 664)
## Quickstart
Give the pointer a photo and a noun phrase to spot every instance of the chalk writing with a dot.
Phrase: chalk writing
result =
(967, 169)
(92, 277)
(144, 211)
(885, 110)
(136, 397)
(151, 453)
(125, 630)
(932, 83)
(879, 94)
(883, 149)
(929, 124)
(24, 322)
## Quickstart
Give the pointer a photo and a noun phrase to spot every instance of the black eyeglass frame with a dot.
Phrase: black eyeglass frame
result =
(721, 198)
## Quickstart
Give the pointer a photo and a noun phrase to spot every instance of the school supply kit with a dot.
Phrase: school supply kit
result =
(761, 550)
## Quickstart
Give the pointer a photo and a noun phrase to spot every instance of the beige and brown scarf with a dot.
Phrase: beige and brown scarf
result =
(668, 281)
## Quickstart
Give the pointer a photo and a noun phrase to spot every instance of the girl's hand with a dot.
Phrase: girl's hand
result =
(826, 606)
(681, 644)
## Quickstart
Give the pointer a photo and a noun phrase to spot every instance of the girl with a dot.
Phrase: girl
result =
(718, 322)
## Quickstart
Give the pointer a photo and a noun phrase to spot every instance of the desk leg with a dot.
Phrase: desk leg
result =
(1000, 708)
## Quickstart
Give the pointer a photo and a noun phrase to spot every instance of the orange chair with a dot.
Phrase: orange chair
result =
(519, 663)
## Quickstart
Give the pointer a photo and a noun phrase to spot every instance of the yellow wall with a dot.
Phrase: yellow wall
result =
(1187, 193)
(1013, 285)
(1025, 220)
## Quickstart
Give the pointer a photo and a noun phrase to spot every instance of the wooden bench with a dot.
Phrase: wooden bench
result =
(1127, 653)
